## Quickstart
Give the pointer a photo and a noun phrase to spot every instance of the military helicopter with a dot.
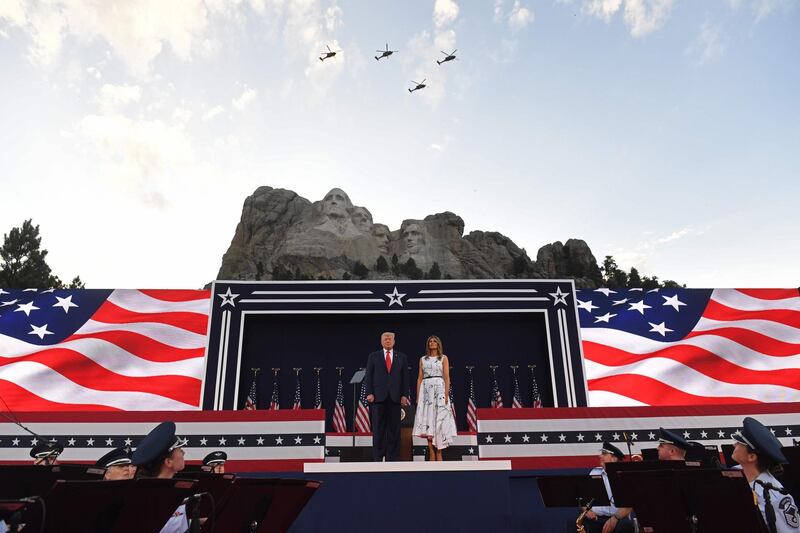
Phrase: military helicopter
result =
(384, 53)
(447, 57)
(329, 54)
(419, 85)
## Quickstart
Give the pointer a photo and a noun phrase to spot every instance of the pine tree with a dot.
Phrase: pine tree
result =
(435, 272)
(381, 265)
(24, 262)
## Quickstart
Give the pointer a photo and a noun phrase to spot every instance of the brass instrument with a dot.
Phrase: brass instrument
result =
(582, 517)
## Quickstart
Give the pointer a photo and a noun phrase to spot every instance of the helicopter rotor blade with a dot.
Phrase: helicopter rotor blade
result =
(454, 51)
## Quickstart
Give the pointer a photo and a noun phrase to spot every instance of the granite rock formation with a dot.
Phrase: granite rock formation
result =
(284, 236)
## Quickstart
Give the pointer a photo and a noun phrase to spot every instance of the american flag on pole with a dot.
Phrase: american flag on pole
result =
(536, 398)
(496, 400)
(318, 394)
(251, 402)
(339, 419)
(275, 400)
(472, 410)
(363, 423)
(296, 404)
(516, 401)
(690, 346)
(101, 350)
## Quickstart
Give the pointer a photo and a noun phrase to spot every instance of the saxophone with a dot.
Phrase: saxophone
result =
(582, 517)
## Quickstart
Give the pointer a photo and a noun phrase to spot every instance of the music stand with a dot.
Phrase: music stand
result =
(264, 505)
(622, 496)
(11, 512)
(572, 490)
(217, 485)
(126, 506)
(692, 500)
(790, 479)
(22, 481)
(353, 454)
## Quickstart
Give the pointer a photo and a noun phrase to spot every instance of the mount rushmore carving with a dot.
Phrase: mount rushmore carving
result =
(284, 236)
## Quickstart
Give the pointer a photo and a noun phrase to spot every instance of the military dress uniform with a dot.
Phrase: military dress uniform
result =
(605, 512)
(158, 443)
(778, 508)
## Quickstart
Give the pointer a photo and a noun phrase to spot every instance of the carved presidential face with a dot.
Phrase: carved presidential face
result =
(413, 238)
(335, 203)
(381, 235)
(361, 219)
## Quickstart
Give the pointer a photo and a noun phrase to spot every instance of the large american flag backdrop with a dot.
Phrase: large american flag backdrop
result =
(99, 350)
(691, 346)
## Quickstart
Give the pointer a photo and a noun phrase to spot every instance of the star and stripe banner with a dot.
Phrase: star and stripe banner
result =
(297, 404)
(339, 417)
(251, 402)
(690, 346)
(516, 401)
(363, 423)
(572, 438)
(318, 393)
(254, 440)
(275, 399)
(472, 410)
(496, 399)
(536, 398)
(101, 350)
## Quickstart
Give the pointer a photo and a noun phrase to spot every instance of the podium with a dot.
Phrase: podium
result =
(407, 414)
(23, 481)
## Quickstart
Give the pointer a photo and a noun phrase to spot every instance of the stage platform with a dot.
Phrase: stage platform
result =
(406, 466)
(449, 496)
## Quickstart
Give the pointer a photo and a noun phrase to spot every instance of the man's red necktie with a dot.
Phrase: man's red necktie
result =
(388, 361)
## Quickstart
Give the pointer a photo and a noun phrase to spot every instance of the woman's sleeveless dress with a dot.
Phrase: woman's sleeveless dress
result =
(434, 418)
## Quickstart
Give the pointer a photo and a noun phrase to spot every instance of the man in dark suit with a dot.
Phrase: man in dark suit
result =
(386, 384)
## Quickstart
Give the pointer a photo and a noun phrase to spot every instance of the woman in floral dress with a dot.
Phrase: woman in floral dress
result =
(434, 419)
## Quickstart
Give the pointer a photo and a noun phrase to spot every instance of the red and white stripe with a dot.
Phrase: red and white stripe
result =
(472, 415)
(363, 424)
(142, 350)
(744, 349)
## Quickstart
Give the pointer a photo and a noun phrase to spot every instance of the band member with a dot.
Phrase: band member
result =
(118, 464)
(160, 455)
(46, 452)
(215, 462)
(759, 453)
(608, 518)
(671, 446)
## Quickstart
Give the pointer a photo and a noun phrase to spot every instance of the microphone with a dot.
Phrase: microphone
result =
(628, 443)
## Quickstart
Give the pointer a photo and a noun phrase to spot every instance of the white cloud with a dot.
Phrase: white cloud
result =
(763, 8)
(641, 16)
(13, 11)
(603, 9)
(213, 112)
(136, 30)
(247, 97)
(709, 45)
(646, 16)
(112, 96)
(498, 10)
(444, 12)
(140, 153)
(520, 16)
(333, 18)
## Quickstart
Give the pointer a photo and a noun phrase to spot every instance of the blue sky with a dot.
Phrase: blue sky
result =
(662, 132)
